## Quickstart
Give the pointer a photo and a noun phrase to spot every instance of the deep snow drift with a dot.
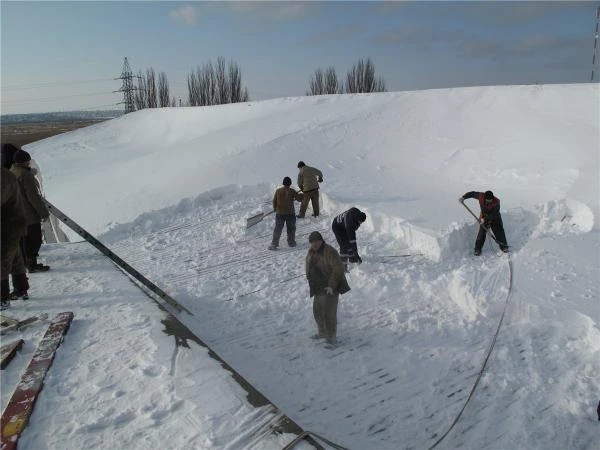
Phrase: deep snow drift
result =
(169, 190)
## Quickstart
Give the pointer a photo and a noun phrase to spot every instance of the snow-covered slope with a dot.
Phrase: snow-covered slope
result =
(169, 191)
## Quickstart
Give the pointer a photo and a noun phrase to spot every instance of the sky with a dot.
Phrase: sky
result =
(60, 56)
(425, 324)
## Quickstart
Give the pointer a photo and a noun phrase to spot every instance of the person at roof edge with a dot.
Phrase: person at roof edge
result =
(490, 218)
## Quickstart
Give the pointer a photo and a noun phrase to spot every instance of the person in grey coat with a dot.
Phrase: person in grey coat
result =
(327, 281)
(13, 228)
(35, 210)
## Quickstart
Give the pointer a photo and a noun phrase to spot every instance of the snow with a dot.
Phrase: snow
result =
(169, 190)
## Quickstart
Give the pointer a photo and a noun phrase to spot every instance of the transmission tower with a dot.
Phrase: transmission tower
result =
(127, 87)
(595, 42)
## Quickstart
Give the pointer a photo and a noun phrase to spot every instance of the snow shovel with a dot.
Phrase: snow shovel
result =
(251, 221)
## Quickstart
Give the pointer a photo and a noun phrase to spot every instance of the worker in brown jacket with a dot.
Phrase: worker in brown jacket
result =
(285, 213)
(35, 210)
(308, 182)
(326, 280)
(13, 227)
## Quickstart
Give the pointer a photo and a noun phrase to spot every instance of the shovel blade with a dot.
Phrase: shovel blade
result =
(251, 221)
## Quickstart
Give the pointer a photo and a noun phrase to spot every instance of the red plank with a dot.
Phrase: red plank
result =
(19, 408)
(9, 351)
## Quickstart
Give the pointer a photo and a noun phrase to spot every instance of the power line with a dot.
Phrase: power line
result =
(48, 99)
(43, 84)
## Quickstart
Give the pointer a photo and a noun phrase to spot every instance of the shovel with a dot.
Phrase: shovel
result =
(251, 221)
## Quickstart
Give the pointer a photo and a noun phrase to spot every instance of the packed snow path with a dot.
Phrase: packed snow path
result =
(410, 350)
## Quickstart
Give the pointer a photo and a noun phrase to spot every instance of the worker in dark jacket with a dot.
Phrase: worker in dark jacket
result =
(344, 227)
(308, 182)
(490, 218)
(13, 228)
(285, 213)
(326, 281)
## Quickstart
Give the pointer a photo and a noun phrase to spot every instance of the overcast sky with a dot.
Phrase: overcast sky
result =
(60, 56)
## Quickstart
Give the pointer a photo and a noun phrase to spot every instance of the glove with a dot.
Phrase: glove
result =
(461, 200)
(320, 180)
(329, 290)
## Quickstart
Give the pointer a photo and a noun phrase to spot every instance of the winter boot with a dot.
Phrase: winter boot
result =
(38, 267)
(21, 285)
(291, 244)
(477, 252)
(272, 247)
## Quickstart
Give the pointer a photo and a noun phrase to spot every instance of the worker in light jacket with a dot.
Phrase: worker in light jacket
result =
(308, 182)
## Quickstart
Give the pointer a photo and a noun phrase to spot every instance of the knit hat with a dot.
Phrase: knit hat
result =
(488, 195)
(301, 164)
(21, 156)
(315, 236)
(8, 153)
(287, 181)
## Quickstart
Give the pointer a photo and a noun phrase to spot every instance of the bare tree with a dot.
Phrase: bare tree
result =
(193, 90)
(235, 84)
(151, 97)
(163, 90)
(333, 85)
(316, 83)
(206, 81)
(223, 95)
(210, 86)
(361, 78)
(327, 82)
(139, 97)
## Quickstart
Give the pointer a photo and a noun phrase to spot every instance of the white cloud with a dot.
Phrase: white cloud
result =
(187, 14)
(274, 11)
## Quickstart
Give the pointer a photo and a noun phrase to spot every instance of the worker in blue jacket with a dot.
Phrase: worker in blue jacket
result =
(344, 227)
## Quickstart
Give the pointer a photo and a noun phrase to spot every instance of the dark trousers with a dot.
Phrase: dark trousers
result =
(346, 249)
(31, 243)
(498, 229)
(12, 264)
(325, 313)
(290, 222)
(313, 197)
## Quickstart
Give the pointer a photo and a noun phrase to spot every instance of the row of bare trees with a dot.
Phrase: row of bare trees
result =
(359, 79)
(222, 83)
(216, 85)
(152, 93)
(208, 85)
